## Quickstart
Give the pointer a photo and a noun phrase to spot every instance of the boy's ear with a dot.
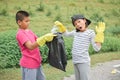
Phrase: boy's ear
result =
(19, 22)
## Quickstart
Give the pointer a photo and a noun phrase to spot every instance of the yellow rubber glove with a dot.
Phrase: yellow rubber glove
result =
(60, 26)
(46, 38)
(100, 32)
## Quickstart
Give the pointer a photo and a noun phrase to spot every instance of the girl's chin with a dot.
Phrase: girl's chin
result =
(82, 30)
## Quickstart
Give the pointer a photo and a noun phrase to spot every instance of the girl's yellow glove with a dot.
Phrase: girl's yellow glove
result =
(46, 38)
(100, 32)
(60, 26)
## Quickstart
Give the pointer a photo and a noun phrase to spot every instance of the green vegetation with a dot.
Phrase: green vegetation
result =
(10, 54)
(45, 12)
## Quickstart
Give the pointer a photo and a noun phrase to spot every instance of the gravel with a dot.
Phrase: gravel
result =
(102, 71)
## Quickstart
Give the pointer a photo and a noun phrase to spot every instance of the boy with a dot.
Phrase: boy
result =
(28, 42)
(82, 39)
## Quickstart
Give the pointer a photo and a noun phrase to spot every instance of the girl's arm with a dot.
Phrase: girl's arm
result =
(69, 34)
(62, 29)
(96, 45)
(99, 38)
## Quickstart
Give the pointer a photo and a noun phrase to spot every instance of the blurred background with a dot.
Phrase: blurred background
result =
(43, 14)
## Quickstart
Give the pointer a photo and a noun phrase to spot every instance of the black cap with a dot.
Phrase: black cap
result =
(79, 16)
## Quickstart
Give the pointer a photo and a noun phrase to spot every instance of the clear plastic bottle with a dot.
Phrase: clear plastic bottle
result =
(54, 29)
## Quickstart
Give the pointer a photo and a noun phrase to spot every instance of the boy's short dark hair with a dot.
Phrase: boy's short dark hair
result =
(21, 14)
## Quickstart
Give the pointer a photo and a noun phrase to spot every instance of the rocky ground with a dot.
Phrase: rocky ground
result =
(102, 71)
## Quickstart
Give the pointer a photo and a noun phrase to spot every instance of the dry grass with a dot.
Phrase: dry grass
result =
(103, 57)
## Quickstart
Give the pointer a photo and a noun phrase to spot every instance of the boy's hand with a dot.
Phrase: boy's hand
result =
(60, 26)
(46, 38)
(100, 32)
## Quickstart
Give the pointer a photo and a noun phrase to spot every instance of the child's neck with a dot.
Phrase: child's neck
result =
(24, 29)
(83, 30)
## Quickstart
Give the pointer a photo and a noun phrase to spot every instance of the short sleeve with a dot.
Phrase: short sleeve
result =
(34, 35)
(21, 37)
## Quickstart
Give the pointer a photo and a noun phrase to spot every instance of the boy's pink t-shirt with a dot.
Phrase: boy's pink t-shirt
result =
(30, 58)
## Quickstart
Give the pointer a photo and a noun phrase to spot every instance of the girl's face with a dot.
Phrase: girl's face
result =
(24, 23)
(80, 24)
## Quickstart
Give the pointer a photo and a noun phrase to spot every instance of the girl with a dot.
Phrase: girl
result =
(83, 37)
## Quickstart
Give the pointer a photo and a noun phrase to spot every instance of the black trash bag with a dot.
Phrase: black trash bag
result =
(57, 54)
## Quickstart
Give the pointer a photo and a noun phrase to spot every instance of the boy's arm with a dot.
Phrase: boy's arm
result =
(40, 41)
(30, 45)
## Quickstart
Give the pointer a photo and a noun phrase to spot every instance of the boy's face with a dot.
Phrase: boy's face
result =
(80, 24)
(24, 23)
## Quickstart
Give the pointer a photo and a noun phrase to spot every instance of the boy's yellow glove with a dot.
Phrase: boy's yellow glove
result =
(100, 32)
(46, 38)
(60, 26)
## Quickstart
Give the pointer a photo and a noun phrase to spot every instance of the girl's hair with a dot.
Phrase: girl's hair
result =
(21, 14)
